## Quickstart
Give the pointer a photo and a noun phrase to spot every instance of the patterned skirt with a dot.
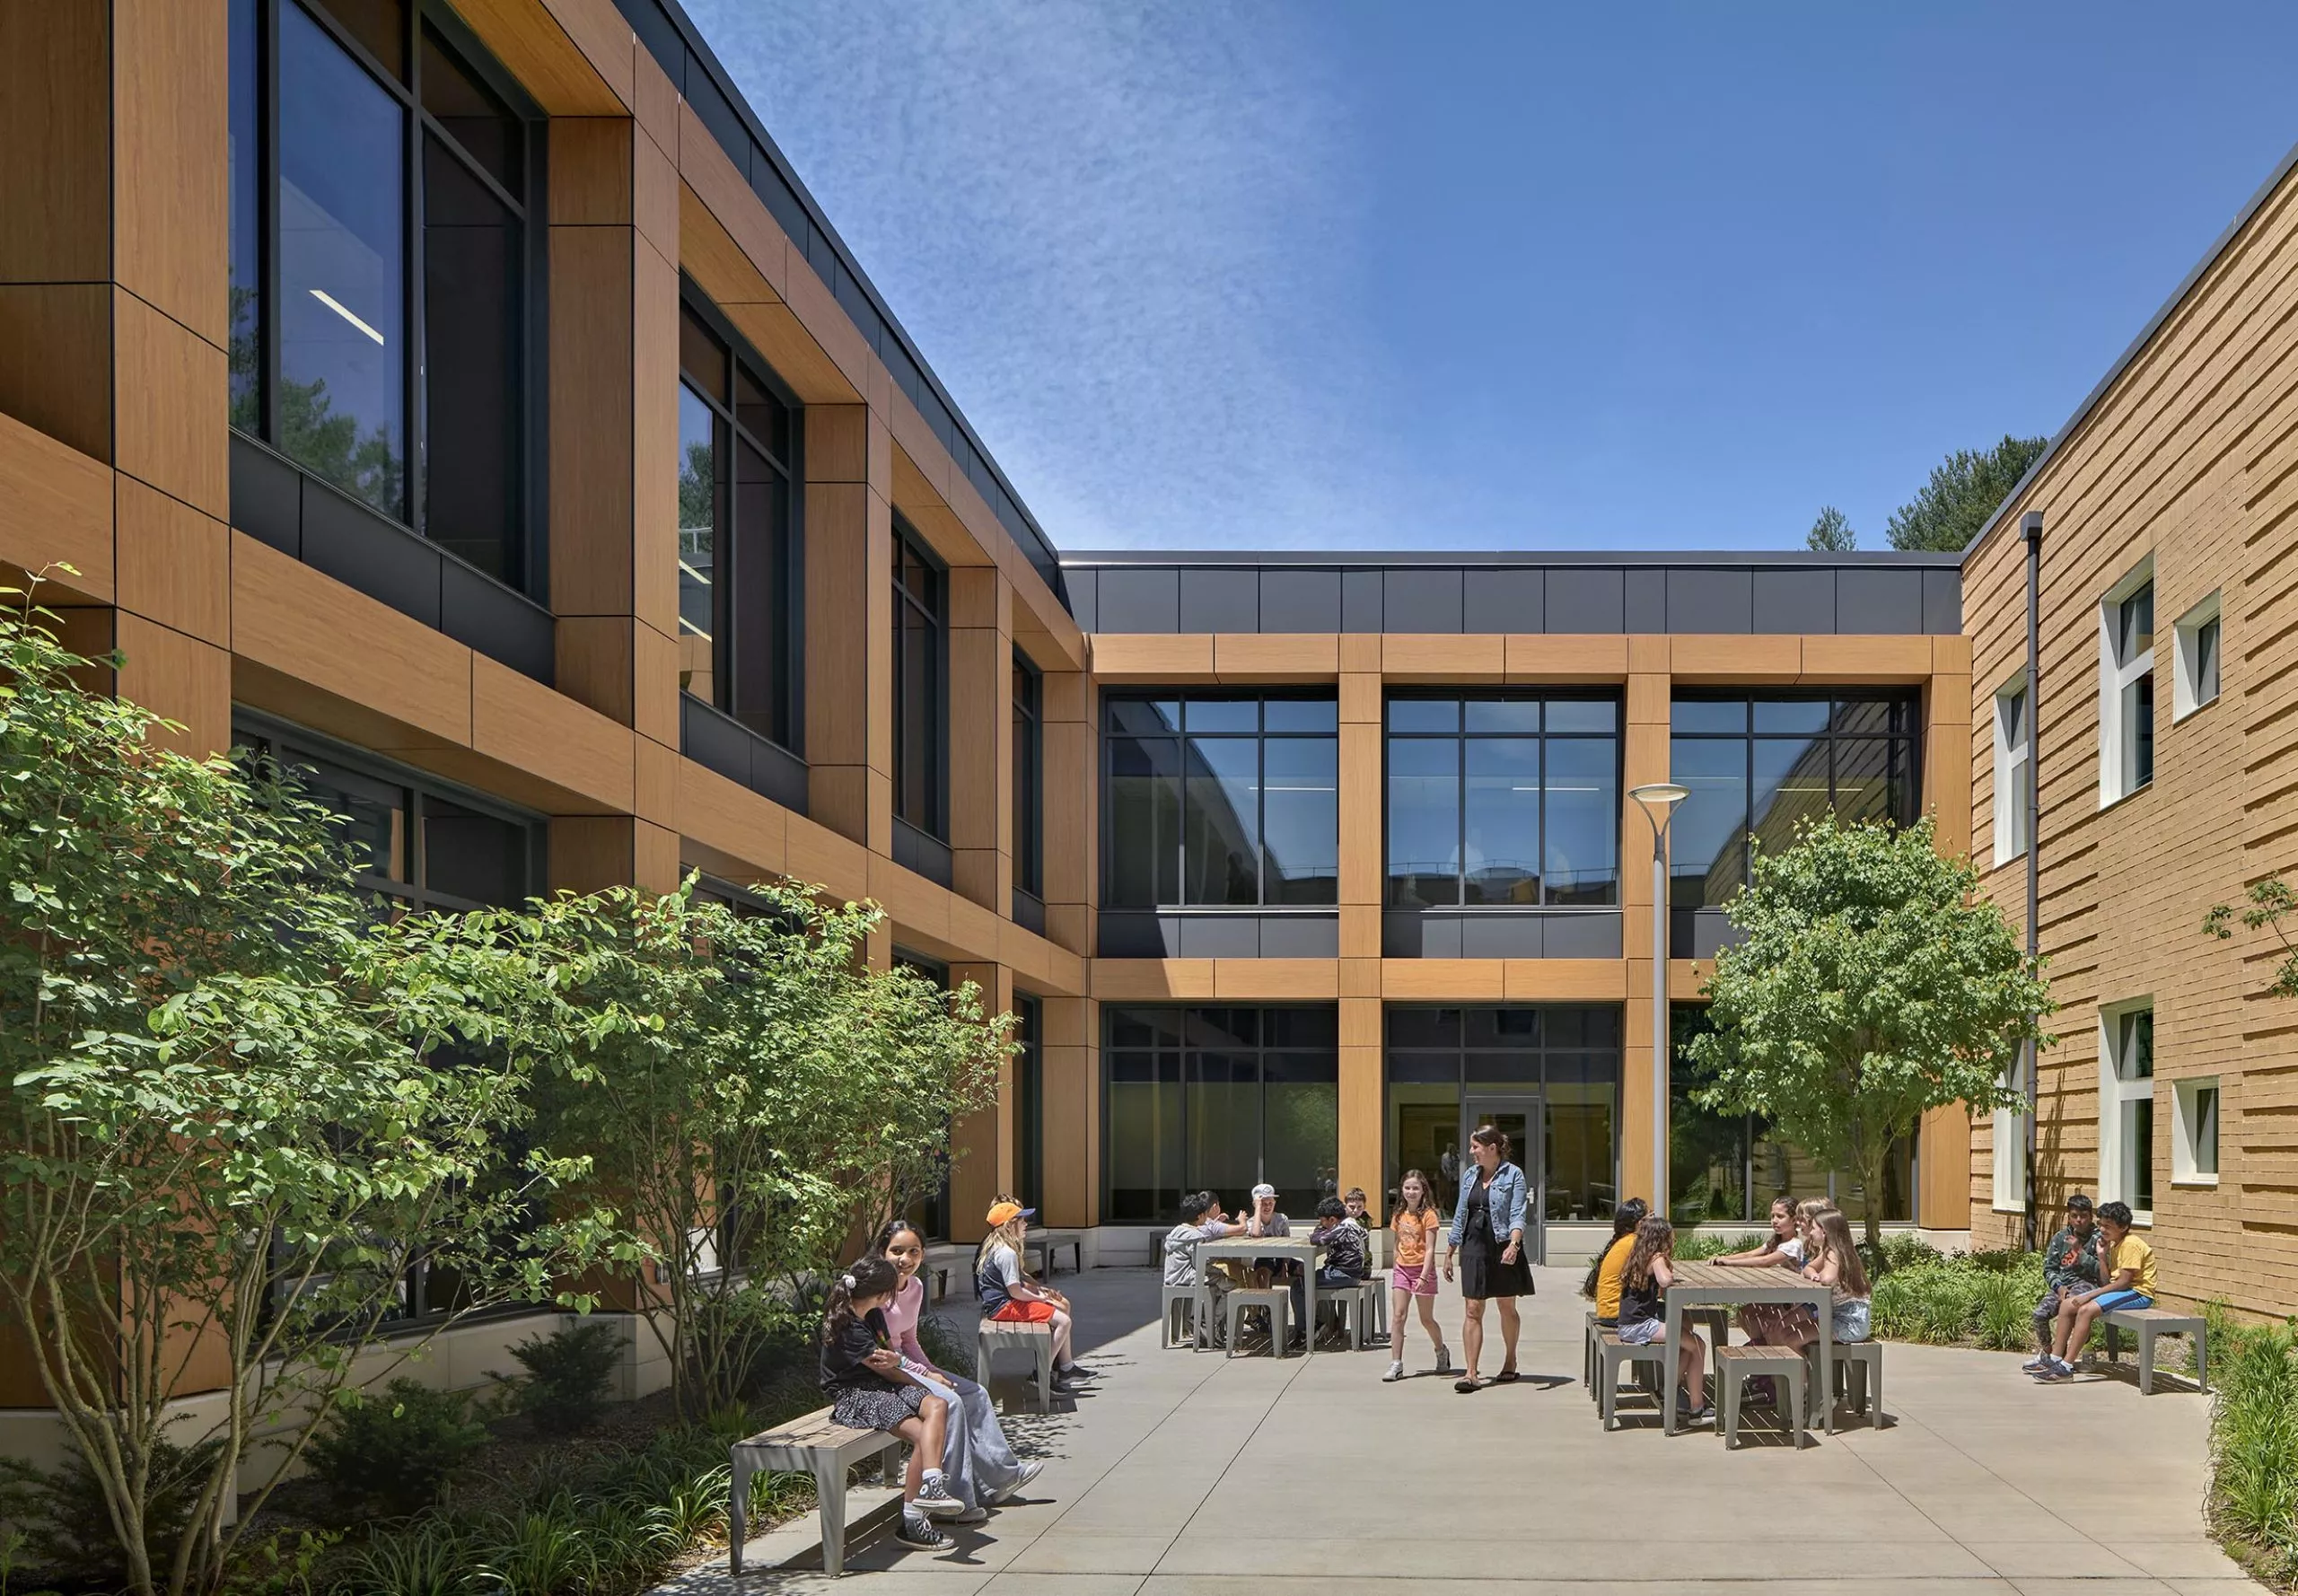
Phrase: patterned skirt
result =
(877, 1407)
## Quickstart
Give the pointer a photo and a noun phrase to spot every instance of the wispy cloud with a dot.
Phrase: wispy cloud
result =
(1125, 236)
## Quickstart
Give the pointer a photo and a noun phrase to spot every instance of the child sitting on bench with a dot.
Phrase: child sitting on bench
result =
(2128, 1263)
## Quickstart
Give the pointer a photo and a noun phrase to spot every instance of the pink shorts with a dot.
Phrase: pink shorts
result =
(1415, 1280)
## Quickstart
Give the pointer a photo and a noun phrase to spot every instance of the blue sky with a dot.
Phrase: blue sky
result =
(1526, 276)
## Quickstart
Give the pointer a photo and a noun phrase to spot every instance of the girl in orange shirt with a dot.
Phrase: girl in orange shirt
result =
(1412, 1273)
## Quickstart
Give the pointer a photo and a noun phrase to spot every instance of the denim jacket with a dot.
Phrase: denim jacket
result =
(1505, 1196)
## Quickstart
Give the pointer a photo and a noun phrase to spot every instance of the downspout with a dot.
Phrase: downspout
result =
(2032, 524)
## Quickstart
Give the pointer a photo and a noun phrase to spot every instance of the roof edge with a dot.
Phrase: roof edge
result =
(1364, 559)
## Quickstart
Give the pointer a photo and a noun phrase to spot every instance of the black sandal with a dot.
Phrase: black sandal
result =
(1506, 1377)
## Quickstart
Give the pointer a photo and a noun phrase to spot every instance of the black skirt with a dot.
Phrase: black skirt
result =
(1483, 1275)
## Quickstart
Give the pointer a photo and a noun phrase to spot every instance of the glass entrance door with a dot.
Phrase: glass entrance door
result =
(1518, 1118)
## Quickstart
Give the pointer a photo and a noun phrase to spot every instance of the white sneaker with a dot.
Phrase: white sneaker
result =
(1029, 1471)
(971, 1515)
(1396, 1372)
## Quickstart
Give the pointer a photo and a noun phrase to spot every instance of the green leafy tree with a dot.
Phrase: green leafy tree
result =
(779, 1093)
(240, 1108)
(1872, 984)
(1831, 532)
(2271, 903)
(1963, 491)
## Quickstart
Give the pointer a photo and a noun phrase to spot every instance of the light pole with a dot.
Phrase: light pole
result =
(1658, 800)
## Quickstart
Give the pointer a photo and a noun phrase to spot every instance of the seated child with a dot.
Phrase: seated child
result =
(1604, 1276)
(1643, 1300)
(1201, 1221)
(2128, 1263)
(2070, 1266)
(869, 1389)
(1353, 1200)
(1346, 1261)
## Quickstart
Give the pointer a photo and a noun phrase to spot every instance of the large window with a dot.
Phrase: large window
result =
(1438, 1058)
(383, 172)
(1509, 799)
(2126, 688)
(1029, 779)
(1221, 799)
(737, 559)
(1029, 1102)
(921, 693)
(1757, 765)
(1725, 1169)
(1219, 1099)
(2127, 1105)
(2014, 769)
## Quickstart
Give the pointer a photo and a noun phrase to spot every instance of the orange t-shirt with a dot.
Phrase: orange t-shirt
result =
(1413, 1230)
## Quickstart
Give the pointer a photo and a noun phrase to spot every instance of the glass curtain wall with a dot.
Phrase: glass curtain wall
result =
(1503, 799)
(1028, 1102)
(1219, 1099)
(1028, 780)
(921, 691)
(383, 173)
(737, 557)
(929, 1210)
(1220, 800)
(1725, 1169)
(1567, 1054)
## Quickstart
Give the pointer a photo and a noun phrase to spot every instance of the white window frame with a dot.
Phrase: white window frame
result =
(2009, 1156)
(2187, 1123)
(2013, 761)
(2186, 664)
(2117, 677)
(2116, 1096)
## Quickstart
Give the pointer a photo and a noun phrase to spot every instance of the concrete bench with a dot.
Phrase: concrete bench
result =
(1611, 1352)
(1736, 1365)
(816, 1445)
(2147, 1323)
(1036, 1339)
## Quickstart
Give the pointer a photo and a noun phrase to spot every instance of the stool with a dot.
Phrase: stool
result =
(1588, 1340)
(1735, 1365)
(1276, 1301)
(1383, 1284)
(1358, 1304)
(1853, 1360)
(1178, 1298)
(1037, 1339)
(1611, 1352)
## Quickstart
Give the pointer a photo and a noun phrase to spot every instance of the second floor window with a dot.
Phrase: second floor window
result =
(2127, 691)
(737, 580)
(1029, 779)
(381, 169)
(921, 691)
(1503, 800)
(1220, 800)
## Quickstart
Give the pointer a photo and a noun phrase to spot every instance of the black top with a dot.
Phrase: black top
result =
(1638, 1304)
(844, 1350)
(1344, 1246)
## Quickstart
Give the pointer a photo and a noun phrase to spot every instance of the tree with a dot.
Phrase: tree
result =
(2271, 903)
(1870, 984)
(239, 1110)
(1831, 532)
(1964, 490)
(777, 1093)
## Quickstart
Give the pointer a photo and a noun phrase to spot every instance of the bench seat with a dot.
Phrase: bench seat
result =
(816, 1444)
(2146, 1324)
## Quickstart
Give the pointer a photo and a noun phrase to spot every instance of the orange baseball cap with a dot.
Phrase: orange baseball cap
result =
(1005, 1213)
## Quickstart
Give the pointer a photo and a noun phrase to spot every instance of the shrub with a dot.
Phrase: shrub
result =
(66, 1527)
(2254, 1439)
(569, 1375)
(1691, 1248)
(947, 1347)
(393, 1453)
(428, 1558)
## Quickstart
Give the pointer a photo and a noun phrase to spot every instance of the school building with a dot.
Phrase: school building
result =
(468, 402)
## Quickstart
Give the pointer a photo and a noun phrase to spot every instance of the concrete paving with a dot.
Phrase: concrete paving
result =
(1194, 1475)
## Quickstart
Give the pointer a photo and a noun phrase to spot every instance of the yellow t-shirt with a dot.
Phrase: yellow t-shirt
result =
(1412, 1232)
(2133, 1254)
(1609, 1274)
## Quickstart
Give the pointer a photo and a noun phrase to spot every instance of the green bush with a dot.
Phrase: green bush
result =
(1691, 1248)
(65, 1528)
(947, 1345)
(392, 1453)
(569, 1375)
(2254, 1441)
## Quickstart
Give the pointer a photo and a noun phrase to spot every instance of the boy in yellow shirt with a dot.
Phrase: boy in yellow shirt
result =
(2128, 1263)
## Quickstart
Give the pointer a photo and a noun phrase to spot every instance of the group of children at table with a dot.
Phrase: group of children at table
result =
(1340, 1230)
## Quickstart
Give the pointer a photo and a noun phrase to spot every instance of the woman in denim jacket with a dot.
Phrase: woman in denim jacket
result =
(1487, 1236)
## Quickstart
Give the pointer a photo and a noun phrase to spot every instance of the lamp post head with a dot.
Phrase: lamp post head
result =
(1658, 800)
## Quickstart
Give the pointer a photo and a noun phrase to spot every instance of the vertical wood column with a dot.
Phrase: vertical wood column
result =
(1072, 783)
(1944, 1189)
(981, 736)
(1644, 758)
(614, 340)
(1073, 1112)
(849, 666)
(982, 1143)
(1363, 1111)
(1363, 872)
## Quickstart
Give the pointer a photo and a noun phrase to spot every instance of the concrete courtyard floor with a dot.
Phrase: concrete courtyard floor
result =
(1194, 1475)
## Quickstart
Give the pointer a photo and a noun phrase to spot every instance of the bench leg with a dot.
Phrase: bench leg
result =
(1045, 1376)
(2202, 1359)
(1732, 1386)
(738, 1497)
(2146, 1361)
(1795, 1410)
(830, 1487)
(1607, 1393)
(2114, 1345)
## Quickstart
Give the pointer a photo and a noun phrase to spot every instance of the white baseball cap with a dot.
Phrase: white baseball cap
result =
(1263, 1190)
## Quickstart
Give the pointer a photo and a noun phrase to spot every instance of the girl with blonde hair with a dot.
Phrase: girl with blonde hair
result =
(1010, 1296)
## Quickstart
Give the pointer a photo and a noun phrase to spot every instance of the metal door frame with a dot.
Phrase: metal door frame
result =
(1531, 1157)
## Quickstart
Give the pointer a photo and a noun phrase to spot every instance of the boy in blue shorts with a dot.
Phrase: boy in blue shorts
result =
(2128, 1263)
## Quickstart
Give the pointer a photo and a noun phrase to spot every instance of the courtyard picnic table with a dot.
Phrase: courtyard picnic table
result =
(1719, 1285)
(1298, 1250)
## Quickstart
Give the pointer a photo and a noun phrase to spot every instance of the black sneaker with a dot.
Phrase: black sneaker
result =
(920, 1533)
(933, 1499)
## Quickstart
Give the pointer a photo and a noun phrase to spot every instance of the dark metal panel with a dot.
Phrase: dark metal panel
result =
(1360, 601)
(717, 113)
(1029, 911)
(1420, 601)
(1647, 600)
(1580, 934)
(1221, 601)
(1943, 601)
(1798, 599)
(502, 625)
(1508, 599)
(777, 772)
(927, 856)
(361, 550)
(660, 35)
(1146, 600)
(1701, 600)
(1586, 599)
(1879, 601)
(267, 496)
(1300, 600)
(1500, 935)
(1220, 936)
(1420, 933)
(1085, 591)
(712, 740)
(781, 200)
(1300, 937)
